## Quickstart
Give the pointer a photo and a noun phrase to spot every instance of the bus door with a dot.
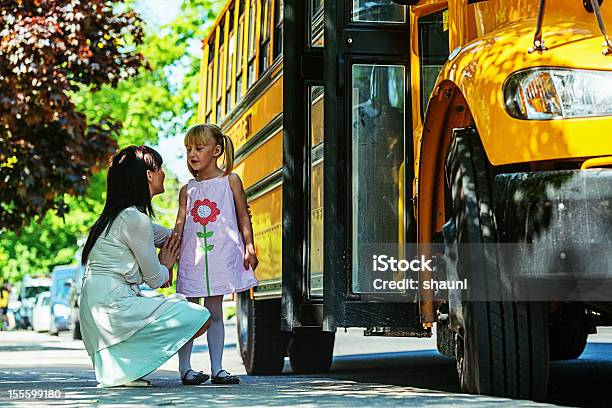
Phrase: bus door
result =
(368, 166)
(303, 145)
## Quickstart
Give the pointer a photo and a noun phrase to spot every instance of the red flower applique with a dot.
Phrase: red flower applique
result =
(204, 211)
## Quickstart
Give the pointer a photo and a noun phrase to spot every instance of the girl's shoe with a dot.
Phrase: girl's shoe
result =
(199, 378)
(227, 378)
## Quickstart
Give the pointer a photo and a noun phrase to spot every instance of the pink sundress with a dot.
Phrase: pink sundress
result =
(211, 261)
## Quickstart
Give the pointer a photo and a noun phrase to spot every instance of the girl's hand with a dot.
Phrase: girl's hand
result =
(170, 251)
(250, 259)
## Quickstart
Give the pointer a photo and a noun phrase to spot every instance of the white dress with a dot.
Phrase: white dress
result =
(211, 262)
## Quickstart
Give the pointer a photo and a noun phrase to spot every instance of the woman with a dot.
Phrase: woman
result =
(127, 335)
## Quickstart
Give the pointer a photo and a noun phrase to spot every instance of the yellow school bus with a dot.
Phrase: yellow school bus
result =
(470, 134)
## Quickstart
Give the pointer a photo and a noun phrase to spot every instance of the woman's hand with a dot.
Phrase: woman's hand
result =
(250, 259)
(170, 252)
(170, 279)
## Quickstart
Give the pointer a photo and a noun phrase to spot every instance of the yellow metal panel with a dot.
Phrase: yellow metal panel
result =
(259, 114)
(415, 72)
(264, 161)
(482, 67)
(317, 129)
(457, 11)
(428, 6)
(597, 162)
(267, 230)
(316, 220)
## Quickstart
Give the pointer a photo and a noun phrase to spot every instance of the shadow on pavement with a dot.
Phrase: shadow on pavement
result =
(421, 378)
(254, 391)
(586, 382)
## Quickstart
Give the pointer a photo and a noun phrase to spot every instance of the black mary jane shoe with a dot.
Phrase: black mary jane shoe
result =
(226, 379)
(199, 378)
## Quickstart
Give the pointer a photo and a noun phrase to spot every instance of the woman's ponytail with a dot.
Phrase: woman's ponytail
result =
(228, 148)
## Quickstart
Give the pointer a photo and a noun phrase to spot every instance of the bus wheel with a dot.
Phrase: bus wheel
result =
(261, 342)
(566, 342)
(502, 348)
(311, 350)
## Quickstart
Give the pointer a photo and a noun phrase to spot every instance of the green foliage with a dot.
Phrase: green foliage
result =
(188, 31)
(47, 148)
(50, 241)
(158, 100)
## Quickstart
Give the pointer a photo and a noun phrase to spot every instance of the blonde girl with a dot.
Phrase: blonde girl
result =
(217, 254)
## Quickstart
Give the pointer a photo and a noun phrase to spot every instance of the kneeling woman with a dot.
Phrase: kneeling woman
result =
(127, 335)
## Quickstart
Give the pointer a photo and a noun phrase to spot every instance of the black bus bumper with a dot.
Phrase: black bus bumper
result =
(555, 233)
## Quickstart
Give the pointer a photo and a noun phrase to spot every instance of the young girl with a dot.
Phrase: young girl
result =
(217, 254)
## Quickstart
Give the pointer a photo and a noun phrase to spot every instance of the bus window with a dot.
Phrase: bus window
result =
(220, 89)
(264, 59)
(316, 191)
(252, 46)
(433, 52)
(278, 29)
(231, 50)
(386, 11)
(209, 80)
(378, 128)
(316, 23)
(239, 51)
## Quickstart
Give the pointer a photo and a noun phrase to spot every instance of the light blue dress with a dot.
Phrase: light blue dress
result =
(126, 334)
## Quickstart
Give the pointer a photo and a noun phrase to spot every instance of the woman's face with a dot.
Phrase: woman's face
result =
(156, 181)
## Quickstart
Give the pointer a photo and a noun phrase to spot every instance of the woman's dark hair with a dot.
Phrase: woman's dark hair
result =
(126, 186)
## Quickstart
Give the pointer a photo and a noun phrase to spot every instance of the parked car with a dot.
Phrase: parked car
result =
(62, 281)
(41, 312)
(30, 287)
(75, 294)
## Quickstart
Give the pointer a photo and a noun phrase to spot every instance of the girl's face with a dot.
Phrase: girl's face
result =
(202, 156)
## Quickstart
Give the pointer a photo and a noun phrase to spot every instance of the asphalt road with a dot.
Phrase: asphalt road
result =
(366, 371)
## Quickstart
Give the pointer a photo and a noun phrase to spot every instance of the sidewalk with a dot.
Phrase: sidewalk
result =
(33, 361)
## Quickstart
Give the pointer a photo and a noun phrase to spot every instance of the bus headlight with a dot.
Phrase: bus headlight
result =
(558, 93)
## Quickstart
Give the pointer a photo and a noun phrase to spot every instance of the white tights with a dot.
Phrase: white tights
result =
(215, 336)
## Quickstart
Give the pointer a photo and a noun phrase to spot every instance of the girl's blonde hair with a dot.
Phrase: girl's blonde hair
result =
(209, 134)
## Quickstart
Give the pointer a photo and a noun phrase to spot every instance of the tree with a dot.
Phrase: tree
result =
(153, 103)
(49, 49)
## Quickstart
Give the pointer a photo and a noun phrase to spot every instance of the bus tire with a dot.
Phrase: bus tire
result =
(261, 342)
(311, 350)
(502, 348)
(566, 342)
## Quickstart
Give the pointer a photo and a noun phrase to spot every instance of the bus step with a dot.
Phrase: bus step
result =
(397, 331)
